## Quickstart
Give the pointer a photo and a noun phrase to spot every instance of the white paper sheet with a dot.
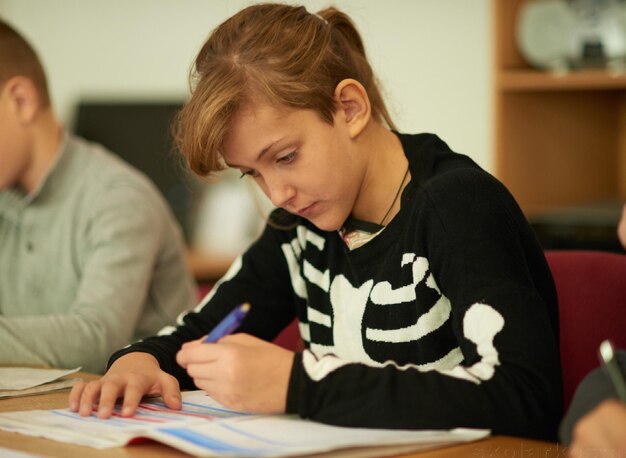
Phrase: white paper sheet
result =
(205, 428)
(9, 453)
(45, 388)
(21, 378)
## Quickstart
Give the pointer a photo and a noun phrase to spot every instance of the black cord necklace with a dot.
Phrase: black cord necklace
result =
(396, 197)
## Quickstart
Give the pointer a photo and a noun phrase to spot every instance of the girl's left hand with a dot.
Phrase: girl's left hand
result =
(240, 372)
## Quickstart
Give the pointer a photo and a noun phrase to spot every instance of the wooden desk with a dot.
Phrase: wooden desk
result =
(499, 446)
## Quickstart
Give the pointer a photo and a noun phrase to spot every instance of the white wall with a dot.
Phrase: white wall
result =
(432, 56)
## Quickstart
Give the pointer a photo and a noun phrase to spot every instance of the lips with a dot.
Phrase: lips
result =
(306, 212)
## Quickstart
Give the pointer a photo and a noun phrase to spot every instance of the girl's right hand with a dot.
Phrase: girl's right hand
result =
(130, 377)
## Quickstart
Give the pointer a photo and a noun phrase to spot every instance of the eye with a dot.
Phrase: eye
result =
(287, 159)
(250, 173)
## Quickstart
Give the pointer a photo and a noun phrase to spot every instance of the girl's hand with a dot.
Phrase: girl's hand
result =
(130, 377)
(240, 371)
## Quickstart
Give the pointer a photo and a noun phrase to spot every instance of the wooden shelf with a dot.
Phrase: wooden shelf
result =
(560, 139)
(536, 80)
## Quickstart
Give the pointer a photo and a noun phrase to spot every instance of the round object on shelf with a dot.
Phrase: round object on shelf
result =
(544, 31)
(564, 34)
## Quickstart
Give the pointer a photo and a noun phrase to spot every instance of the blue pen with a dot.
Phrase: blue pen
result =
(231, 322)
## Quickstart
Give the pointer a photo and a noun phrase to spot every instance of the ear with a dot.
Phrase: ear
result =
(353, 101)
(23, 98)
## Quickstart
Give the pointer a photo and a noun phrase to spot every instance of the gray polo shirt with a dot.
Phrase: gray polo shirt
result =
(89, 262)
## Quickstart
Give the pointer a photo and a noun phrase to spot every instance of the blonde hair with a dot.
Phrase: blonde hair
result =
(281, 53)
(18, 58)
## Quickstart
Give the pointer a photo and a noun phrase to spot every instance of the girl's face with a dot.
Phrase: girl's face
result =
(303, 164)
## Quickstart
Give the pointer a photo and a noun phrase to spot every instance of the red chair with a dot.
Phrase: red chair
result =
(204, 289)
(591, 288)
(289, 337)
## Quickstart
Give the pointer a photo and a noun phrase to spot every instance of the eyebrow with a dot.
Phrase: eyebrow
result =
(260, 155)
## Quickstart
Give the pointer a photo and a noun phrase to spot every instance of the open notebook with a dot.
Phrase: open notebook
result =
(205, 428)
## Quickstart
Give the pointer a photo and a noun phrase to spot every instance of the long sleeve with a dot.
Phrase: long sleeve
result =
(259, 276)
(447, 318)
(483, 352)
(91, 262)
(116, 271)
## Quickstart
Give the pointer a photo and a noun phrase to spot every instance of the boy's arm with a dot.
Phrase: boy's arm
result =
(123, 238)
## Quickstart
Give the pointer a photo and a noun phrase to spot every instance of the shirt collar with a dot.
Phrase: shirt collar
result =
(13, 201)
(51, 177)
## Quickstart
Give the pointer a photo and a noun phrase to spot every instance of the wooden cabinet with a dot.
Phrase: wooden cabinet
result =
(560, 139)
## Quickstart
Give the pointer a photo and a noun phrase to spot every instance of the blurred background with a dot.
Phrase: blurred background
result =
(432, 56)
(118, 70)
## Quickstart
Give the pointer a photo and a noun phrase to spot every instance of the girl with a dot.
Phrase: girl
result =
(423, 297)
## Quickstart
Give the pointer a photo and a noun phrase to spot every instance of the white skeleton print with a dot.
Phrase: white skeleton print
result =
(447, 318)
(480, 324)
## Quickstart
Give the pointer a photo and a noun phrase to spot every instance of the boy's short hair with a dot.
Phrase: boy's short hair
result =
(18, 58)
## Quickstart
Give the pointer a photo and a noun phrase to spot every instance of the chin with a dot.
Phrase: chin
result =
(326, 224)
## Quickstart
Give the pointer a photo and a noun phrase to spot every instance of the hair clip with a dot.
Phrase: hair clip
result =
(321, 18)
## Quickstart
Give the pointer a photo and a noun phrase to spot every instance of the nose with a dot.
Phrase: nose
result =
(280, 192)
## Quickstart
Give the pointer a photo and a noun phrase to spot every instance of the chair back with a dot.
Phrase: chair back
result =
(289, 337)
(591, 289)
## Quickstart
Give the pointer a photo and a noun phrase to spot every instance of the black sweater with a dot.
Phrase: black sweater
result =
(448, 318)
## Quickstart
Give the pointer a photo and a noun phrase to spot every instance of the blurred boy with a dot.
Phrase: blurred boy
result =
(91, 258)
